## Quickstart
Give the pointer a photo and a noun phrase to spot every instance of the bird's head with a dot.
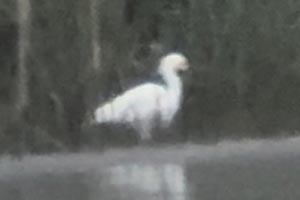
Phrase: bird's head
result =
(175, 62)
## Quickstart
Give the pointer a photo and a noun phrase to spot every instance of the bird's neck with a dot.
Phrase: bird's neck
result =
(173, 82)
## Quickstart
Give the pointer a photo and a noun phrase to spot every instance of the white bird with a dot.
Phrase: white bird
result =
(145, 105)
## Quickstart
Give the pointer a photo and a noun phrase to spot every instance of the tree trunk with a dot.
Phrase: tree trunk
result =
(21, 100)
(96, 51)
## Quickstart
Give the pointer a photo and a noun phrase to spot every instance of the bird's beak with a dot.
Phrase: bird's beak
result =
(183, 68)
(186, 66)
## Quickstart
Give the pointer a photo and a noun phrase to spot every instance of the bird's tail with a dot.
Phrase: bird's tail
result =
(105, 113)
(115, 111)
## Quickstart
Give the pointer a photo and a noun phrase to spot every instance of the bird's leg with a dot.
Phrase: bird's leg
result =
(146, 131)
(143, 128)
(145, 135)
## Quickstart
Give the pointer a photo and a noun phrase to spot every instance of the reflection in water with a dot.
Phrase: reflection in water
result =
(229, 171)
(165, 181)
(131, 181)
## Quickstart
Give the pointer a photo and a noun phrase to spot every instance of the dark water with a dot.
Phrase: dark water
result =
(230, 170)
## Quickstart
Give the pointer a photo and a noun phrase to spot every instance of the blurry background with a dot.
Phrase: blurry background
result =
(59, 59)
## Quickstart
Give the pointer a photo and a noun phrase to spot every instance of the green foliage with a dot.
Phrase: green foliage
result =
(244, 57)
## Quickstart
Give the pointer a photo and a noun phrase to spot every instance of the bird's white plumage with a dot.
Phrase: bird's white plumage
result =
(142, 105)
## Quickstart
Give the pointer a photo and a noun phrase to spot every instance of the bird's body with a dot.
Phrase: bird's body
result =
(146, 104)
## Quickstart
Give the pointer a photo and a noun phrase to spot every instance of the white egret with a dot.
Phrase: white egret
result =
(145, 105)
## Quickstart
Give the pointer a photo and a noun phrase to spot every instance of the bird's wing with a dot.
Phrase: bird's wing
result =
(140, 100)
(139, 96)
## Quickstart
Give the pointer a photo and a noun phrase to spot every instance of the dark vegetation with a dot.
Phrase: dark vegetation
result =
(244, 55)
